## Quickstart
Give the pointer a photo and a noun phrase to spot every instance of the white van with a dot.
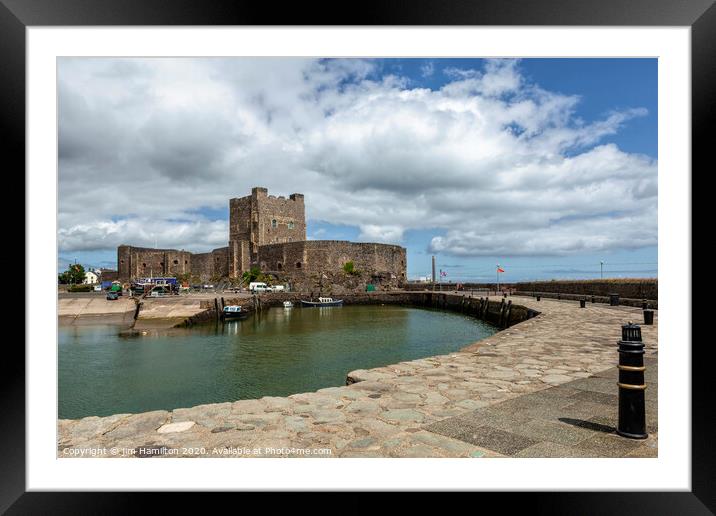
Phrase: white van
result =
(257, 286)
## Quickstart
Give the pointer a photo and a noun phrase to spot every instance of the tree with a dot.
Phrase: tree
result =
(74, 274)
(251, 275)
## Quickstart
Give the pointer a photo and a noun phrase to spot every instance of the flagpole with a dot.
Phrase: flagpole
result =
(498, 279)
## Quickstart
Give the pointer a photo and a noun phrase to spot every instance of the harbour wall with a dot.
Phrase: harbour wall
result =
(631, 291)
(501, 313)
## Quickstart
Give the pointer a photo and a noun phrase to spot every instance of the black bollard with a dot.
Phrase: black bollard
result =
(538, 297)
(648, 317)
(593, 299)
(614, 299)
(582, 303)
(632, 415)
(559, 296)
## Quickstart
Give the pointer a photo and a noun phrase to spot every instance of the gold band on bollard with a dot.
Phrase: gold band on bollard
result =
(631, 368)
(632, 387)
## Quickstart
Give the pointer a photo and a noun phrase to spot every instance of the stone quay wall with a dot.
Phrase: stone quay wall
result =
(627, 288)
(498, 312)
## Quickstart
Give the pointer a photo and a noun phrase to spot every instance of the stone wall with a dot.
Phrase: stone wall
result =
(318, 265)
(137, 262)
(220, 259)
(627, 288)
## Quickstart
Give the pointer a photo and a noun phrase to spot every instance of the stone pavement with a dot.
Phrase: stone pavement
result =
(544, 387)
(575, 419)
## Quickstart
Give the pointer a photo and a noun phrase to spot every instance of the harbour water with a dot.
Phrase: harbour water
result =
(276, 353)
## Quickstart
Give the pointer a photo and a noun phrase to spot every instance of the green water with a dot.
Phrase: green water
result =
(281, 352)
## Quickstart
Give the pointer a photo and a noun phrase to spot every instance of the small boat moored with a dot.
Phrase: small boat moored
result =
(234, 312)
(287, 304)
(323, 301)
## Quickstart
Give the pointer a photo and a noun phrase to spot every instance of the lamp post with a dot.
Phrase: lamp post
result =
(601, 270)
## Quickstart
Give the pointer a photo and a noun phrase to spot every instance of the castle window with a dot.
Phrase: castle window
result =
(274, 223)
(290, 225)
(144, 265)
(176, 262)
(279, 266)
(298, 265)
(185, 262)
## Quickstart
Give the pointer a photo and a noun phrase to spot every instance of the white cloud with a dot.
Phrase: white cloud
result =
(381, 233)
(428, 69)
(497, 164)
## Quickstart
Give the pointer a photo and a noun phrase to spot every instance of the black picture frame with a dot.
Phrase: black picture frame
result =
(700, 15)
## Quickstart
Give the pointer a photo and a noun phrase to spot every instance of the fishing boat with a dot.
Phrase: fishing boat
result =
(287, 304)
(323, 301)
(234, 312)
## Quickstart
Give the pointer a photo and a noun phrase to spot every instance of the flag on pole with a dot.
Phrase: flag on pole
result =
(500, 269)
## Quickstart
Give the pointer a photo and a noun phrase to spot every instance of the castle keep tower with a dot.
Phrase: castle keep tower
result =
(261, 219)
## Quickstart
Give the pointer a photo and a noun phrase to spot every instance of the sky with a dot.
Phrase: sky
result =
(547, 167)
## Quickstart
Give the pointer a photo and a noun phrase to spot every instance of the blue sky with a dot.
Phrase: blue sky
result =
(545, 166)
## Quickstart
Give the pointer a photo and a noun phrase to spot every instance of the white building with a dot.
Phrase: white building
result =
(91, 278)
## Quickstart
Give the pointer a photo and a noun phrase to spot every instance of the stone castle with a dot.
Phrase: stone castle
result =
(269, 232)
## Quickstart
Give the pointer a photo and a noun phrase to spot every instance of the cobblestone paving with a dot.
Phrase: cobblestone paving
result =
(390, 411)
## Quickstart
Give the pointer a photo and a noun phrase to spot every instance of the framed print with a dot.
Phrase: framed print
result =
(406, 245)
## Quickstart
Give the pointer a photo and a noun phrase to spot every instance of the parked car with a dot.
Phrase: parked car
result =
(112, 296)
(97, 288)
(257, 286)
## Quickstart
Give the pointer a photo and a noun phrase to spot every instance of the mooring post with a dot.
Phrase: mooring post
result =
(648, 317)
(508, 312)
(582, 303)
(632, 412)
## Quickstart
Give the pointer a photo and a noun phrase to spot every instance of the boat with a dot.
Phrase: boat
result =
(323, 301)
(287, 304)
(234, 312)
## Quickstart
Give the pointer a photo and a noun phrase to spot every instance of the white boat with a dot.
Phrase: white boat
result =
(287, 304)
(323, 301)
(234, 312)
